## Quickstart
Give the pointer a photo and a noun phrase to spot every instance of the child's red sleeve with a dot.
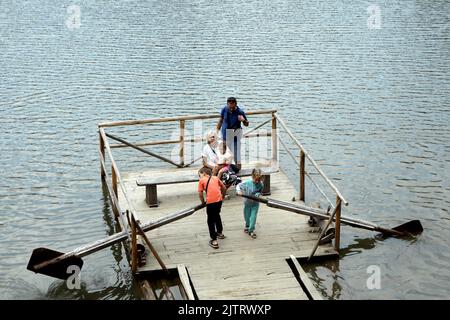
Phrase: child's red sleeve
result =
(201, 188)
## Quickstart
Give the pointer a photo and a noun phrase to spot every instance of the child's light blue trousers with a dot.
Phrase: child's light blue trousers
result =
(250, 213)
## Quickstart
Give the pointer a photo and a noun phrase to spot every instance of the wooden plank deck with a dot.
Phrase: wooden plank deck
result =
(242, 268)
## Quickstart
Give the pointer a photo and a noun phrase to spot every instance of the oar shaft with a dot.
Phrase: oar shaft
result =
(118, 237)
(265, 201)
(283, 205)
(101, 244)
(306, 211)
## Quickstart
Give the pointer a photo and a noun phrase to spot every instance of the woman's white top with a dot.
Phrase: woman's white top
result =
(211, 155)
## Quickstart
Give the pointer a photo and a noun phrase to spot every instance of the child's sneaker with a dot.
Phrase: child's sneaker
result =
(220, 236)
(252, 234)
(246, 229)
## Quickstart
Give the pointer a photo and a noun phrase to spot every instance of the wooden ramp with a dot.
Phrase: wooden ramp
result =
(242, 268)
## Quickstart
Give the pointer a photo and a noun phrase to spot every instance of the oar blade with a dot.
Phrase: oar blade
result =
(58, 270)
(413, 227)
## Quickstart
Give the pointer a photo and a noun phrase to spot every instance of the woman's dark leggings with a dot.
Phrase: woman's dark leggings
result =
(214, 221)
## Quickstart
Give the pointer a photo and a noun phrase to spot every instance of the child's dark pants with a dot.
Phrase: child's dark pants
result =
(214, 221)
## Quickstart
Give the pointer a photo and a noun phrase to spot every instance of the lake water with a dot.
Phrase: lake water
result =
(368, 97)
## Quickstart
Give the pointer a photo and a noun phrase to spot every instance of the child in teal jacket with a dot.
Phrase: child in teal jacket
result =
(254, 188)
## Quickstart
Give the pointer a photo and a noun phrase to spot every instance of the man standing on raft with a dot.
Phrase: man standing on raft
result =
(229, 123)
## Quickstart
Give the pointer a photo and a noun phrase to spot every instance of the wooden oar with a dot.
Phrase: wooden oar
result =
(406, 229)
(55, 264)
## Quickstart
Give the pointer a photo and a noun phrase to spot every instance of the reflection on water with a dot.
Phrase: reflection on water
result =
(168, 289)
(117, 249)
(162, 285)
(328, 275)
(325, 274)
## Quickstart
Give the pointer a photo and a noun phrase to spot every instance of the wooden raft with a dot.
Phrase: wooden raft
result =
(242, 268)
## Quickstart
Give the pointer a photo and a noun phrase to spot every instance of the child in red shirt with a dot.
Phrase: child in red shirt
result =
(215, 191)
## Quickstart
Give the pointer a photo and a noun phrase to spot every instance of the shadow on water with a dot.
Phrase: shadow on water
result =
(116, 284)
(325, 274)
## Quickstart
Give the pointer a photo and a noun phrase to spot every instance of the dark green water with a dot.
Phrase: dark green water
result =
(371, 105)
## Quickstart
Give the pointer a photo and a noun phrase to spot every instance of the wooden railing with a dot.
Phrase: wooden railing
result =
(182, 140)
(301, 162)
(128, 218)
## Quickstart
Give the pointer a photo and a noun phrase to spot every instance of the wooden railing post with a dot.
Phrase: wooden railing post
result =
(114, 187)
(114, 181)
(337, 239)
(274, 139)
(134, 259)
(302, 176)
(102, 152)
(182, 125)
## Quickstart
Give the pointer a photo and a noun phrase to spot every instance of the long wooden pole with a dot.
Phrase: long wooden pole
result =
(414, 225)
(117, 237)
(194, 117)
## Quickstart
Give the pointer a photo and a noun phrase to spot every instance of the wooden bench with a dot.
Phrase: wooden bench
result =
(151, 183)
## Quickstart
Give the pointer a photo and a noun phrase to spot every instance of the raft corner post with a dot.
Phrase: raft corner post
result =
(302, 176)
(102, 153)
(182, 127)
(274, 139)
(337, 239)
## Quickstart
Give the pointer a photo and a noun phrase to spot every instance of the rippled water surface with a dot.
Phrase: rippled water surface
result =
(371, 106)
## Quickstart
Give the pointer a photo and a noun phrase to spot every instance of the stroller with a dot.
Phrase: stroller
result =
(230, 178)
